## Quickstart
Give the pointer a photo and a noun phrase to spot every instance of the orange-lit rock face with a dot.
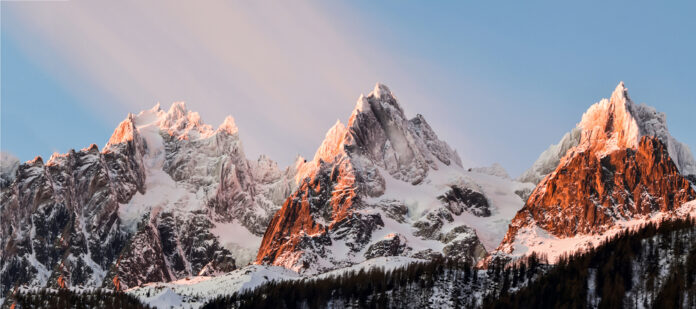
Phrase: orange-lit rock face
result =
(609, 125)
(322, 200)
(125, 132)
(61, 282)
(329, 221)
(586, 193)
(117, 283)
(326, 198)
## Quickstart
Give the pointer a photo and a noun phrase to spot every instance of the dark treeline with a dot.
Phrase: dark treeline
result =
(410, 286)
(363, 288)
(66, 299)
(599, 277)
(613, 266)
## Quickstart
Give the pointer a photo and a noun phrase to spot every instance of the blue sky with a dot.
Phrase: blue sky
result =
(498, 82)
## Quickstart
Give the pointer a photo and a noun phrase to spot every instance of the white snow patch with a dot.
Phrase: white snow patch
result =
(499, 191)
(495, 170)
(243, 244)
(386, 263)
(194, 292)
(165, 299)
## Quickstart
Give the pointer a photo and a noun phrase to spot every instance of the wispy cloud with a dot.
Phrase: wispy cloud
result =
(285, 70)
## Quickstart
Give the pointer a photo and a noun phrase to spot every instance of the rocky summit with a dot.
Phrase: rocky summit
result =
(156, 204)
(171, 211)
(621, 166)
(351, 202)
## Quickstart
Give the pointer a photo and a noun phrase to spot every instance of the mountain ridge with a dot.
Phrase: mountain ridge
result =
(145, 208)
(347, 196)
(621, 164)
(170, 197)
(634, 122)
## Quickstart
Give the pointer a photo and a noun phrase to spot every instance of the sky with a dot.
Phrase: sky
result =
(499, 82)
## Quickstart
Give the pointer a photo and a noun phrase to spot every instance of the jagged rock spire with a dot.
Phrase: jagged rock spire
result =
(609, 125)
(124, 132)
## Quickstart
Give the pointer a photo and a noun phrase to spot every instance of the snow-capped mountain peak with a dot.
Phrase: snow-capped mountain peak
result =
(229, 126)
(332, 144)
(381, 90)
(178, 122)
(124, 132)
(619, 164)
(386, 185)
(185, 124)
(609, 125)
(167, 197)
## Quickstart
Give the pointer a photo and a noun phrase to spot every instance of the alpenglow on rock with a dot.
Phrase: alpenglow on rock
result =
(386, 185)
(624, 167)
(625, 122)
(158, 203)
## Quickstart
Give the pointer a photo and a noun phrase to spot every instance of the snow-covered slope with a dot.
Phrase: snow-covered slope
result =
(206, 203)
(385, 185)
(626, 121)
(533, 238)
(496, 170)
(196, 291)
(168, 197)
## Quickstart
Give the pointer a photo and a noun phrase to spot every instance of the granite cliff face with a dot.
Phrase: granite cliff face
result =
(353, 200)
(587, 194)
(621, 168)
(614, 124)
(60, 218)
(171, 197)
(156, 204)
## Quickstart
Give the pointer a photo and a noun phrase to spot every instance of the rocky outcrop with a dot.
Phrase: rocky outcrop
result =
(586, 194)
(167, 248)
(144, 209)
(322, 209)
(622, 168)
(460, 199)
(333, 218)
(205, 180)
(8, 169)
(392, 245)
(406, 149)
(60, 219)
(613, 124)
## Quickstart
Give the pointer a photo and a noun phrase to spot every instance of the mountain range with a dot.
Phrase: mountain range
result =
(172, 211)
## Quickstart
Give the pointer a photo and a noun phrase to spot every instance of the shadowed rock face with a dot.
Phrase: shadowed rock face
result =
(460, 199)
(332, 210)
(320, 210)
(586, 194)
(63, 221)
(393, 245)
(60, 219)
(169, 247)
